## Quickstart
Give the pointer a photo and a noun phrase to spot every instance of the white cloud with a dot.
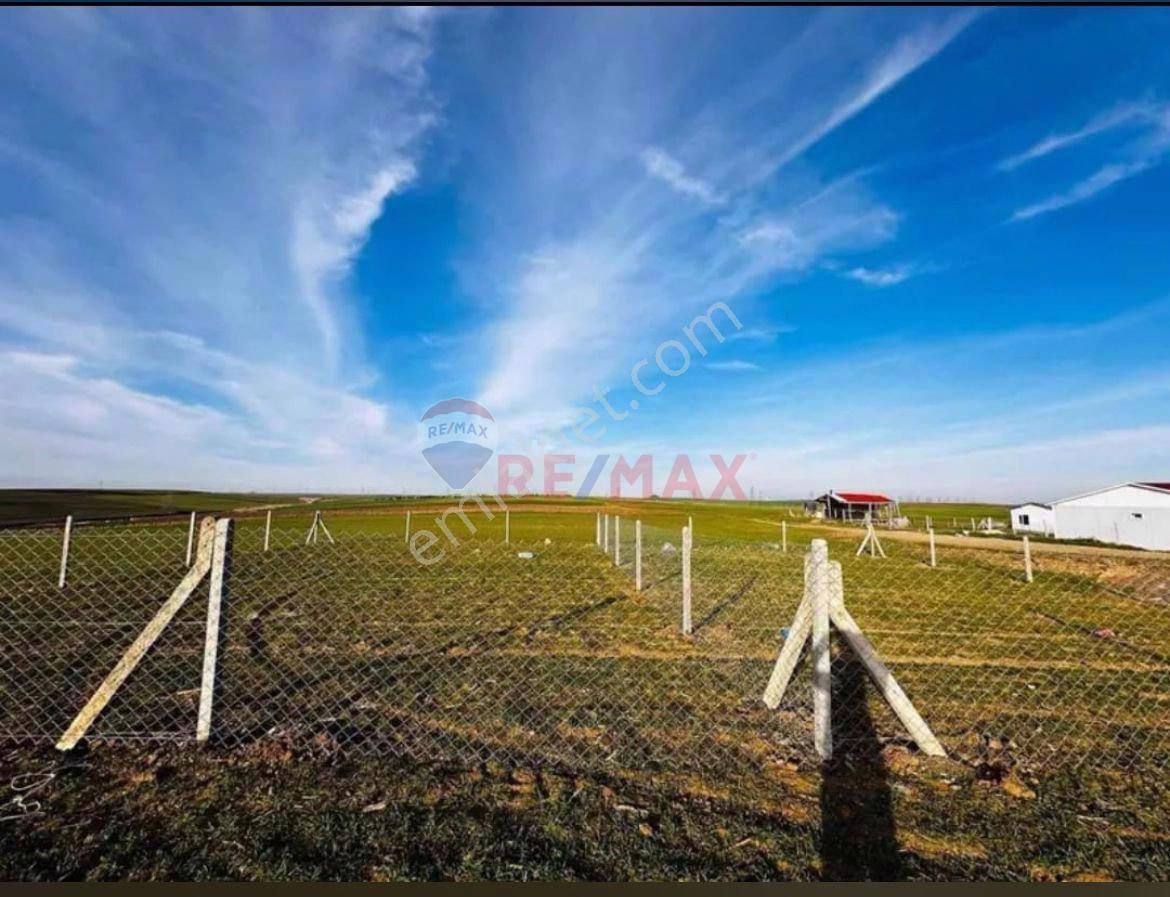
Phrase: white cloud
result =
(880, 277)
(1032, 431)
(1122, 115)
(1102, 179)
(1137, 156)
(670, 170)
(177, 282)
(909, 53)
(624, 264)
(761, 334)
(327, 238)
(734, 364)
(837, 222)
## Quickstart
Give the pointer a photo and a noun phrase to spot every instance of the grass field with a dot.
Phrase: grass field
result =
(495, 716)
(31, 505)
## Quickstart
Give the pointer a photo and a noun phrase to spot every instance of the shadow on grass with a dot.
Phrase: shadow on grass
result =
(730, 601)
(858, 840)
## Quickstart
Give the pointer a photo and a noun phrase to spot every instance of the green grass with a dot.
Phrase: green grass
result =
(30, 505)
(539, 718)
(955, 516)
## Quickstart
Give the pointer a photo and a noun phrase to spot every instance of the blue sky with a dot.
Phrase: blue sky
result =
(247, 249)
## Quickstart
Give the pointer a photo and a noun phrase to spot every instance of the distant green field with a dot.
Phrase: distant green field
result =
(28, 505)
(723, 520)
(954, 516)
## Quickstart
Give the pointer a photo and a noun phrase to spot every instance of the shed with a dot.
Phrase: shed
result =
(1136, 514)
(856, 505)
(1033, 517)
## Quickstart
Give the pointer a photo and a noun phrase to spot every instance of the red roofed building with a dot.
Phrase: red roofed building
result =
(836, 505)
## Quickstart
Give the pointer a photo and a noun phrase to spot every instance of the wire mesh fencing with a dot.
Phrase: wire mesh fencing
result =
(636, 653)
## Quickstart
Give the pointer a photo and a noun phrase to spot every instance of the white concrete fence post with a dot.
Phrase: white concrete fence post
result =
(820, 590)
(190, 539)
(507, 527)
(1027, 559)
(221, 564)
(65, 552)
(933, 556)
(408, 527)
(617, 541)
(605, 534)
(823, 606)
(146, 638)
(637, 555)
(267, 529)
(686, 580)
(784, 536)
(597, 538)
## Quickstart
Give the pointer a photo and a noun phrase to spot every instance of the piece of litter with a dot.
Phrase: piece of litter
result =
(526, 555)
(628, 808)
(667, 548)
(374, 808)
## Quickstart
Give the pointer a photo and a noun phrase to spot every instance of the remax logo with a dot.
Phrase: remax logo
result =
(458, 438)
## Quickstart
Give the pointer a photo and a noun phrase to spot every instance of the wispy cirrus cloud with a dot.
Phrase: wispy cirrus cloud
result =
(880, 277)
(666, 168)
(1122, 115)
(1147, 149)
(623, 258)
(737, 365)
(1100, 180)
(761, 334)
(181, 269)
(909, 53)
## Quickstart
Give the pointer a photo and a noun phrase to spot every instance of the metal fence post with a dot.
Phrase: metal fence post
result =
(221, 565)
(65, 552)
(1027, 559)
(637, 555)
(190, 539)
(821, 594)
(686, 580)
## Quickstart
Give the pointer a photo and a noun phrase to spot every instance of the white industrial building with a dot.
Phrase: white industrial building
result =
(1033, 517)
(1135, 514)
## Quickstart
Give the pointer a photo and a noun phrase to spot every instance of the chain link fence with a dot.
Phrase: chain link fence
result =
(579, 654)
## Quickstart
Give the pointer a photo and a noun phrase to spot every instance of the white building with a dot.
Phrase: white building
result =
(1033, 517)
(1136, 514)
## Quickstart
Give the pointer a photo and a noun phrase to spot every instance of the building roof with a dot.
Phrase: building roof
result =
(1156, 487)
(1032, 504)
(858, 498)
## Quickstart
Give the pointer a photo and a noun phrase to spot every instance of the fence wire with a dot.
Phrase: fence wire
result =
(545, 651)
